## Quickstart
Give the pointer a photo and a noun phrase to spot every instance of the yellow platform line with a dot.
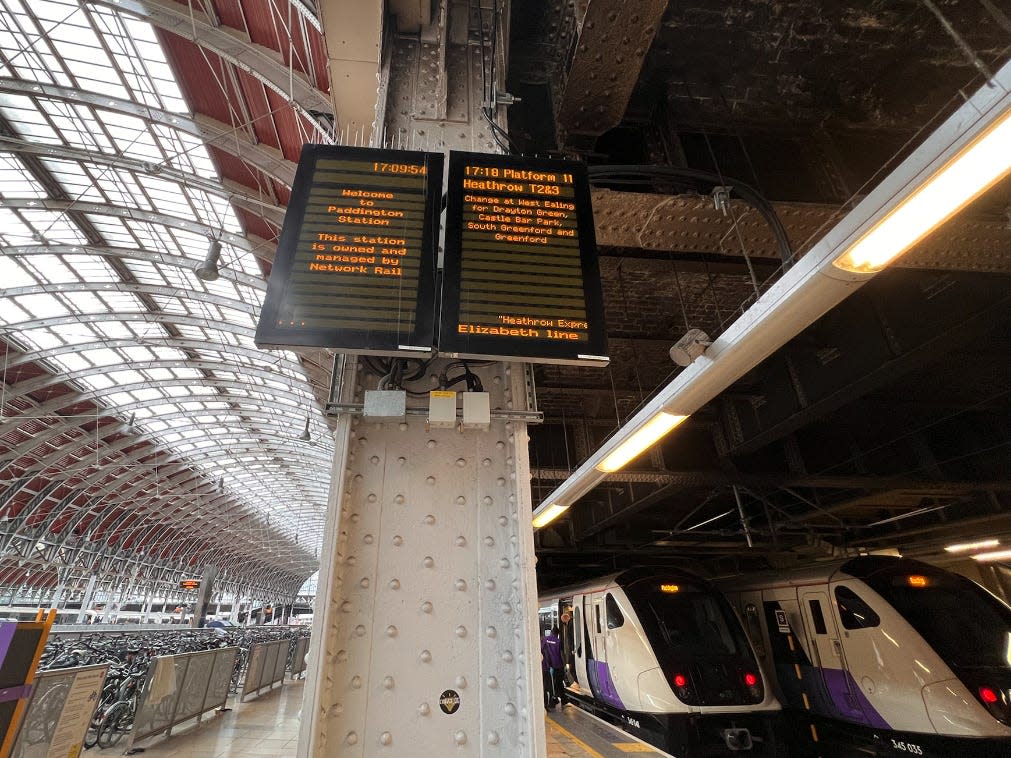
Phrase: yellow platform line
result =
(589, 750)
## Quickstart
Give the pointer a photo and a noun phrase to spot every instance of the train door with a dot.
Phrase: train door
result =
(595, 654)
(840, 698)
(583, 652)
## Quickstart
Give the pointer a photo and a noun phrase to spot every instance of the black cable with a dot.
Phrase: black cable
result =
(627, 174)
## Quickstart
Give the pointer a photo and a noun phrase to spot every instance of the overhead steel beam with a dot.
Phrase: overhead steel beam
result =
(613, 39)
(353, 32)
(262, 63)
(693, 224)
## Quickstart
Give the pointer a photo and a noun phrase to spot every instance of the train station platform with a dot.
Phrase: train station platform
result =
(267, 727)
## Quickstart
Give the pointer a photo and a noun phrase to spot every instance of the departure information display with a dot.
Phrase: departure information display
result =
(521, 277)
(355, 263)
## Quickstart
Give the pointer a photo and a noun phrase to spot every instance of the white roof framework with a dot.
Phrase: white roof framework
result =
(143, 432)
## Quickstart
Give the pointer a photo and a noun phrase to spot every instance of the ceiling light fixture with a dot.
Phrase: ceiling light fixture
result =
(971, 172)
(208, 270)
(644, 437)
(549, 514)
(964, 547)
(996, 555)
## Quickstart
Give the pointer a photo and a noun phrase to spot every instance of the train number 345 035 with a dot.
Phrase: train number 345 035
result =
(907, 747)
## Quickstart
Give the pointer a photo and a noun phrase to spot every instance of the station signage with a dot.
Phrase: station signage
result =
(355, 263)
(521, 279)
(189, 584)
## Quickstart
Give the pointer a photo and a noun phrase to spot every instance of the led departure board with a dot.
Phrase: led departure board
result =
(355, 263)
(521, 278)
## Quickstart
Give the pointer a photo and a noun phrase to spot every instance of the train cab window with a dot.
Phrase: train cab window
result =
(614, 617)
(754, 628)
(596, 615)
(817, 617)
(853, 611)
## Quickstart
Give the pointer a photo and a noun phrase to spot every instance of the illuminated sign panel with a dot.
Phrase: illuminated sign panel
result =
(521, 277)
(189, 584)
(355, 263)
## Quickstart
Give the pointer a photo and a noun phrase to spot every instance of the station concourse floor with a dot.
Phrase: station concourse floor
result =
(267, 726)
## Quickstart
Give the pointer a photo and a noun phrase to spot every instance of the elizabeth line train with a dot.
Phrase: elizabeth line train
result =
(884, 656)
(662, 654)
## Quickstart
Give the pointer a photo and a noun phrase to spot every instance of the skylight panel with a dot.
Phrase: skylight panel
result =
(44, 338)
(11, 312)
(15, 181)
(70, 362)
(91, 268)
(98, 381)
(74, 179)
(53, 227)
(42, 305)
(13, 274)
(82, 128)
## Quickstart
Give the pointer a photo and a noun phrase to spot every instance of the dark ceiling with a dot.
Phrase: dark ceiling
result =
(887, 423)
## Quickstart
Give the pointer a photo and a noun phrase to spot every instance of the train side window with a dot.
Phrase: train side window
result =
(577, 626)
(596, 615)
(754, 628)
(816, 615)
(614, 617)
(853, 611)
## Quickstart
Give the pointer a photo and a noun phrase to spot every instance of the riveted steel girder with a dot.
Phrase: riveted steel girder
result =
(693, 224)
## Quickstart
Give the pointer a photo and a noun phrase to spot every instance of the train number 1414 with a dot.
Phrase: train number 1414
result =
(907, 747)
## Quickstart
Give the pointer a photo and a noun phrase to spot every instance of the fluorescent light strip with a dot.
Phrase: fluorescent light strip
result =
(997, 555)
(964, 547)
(980, 165)
(549, 514)
(639, 440)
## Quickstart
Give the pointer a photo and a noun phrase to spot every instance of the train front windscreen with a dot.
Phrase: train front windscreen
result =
(968, 627)
(699, 643)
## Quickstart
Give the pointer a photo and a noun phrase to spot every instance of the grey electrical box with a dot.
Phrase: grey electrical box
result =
(441, 409)
(385, 405)
(476, 410)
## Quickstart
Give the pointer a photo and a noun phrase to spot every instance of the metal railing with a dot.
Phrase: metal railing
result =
(298, 662)
(267, 663)
(182, 687)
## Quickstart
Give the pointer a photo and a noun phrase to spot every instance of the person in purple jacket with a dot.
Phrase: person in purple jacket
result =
(551, 649)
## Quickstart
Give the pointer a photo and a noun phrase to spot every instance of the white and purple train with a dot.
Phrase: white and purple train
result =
(884, 656)
(663, 654)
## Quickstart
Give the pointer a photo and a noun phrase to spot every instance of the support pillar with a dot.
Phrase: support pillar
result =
(89, 593)
(199, 617)
(425, 636)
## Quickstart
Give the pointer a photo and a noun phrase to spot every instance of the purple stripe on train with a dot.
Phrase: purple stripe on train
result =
(605, 691)
(850, 699)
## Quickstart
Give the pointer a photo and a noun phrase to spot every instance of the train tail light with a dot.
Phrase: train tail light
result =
(683, 688)
(753, 684)
(997, 702)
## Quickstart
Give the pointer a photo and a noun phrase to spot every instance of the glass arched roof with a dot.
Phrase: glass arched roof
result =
(132, 390)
